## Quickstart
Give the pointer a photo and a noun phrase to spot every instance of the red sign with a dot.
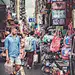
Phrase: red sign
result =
(55, 45)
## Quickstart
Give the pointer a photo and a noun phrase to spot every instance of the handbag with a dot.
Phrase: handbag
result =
(9, 68)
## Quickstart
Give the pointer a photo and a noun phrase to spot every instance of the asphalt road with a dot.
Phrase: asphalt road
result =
(33, 71)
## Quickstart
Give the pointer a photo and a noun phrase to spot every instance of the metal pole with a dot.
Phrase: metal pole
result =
(18, 10)
(49, 18)
(73, 16)
(36, 10)
(71, 59)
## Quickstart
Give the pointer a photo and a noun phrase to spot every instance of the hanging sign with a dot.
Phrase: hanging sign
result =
(58, 5)
(58, 14)
(58, 21)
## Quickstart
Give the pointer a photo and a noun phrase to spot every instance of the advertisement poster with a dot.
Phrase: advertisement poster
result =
(58, 21)
(58, 5)
(58, 14)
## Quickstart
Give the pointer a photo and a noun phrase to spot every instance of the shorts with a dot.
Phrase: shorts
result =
(16, 60)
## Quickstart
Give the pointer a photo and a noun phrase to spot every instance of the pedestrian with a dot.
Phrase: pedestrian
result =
(38, 41)
(22, 50)
(12, 47)
(30, 48)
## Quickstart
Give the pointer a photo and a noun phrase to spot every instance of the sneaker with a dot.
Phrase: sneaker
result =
(27, 66)
(30, 68)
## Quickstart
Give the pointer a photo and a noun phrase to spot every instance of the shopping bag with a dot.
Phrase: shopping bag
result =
(35, 58)
(9, 68)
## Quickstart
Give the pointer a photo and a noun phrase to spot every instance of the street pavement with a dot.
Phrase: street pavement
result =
(33, 71)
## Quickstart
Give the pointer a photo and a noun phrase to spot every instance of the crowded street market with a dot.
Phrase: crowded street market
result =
(37, 37)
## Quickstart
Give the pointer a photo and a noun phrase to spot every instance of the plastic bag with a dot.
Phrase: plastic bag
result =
(9, 68)
(35, 58)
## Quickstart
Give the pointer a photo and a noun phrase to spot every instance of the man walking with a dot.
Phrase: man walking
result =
(30, 48)
(12, 47)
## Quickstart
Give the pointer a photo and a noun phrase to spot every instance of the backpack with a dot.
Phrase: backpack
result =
(28, 43)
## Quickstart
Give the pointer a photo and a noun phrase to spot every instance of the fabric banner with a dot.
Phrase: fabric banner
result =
(55, 45)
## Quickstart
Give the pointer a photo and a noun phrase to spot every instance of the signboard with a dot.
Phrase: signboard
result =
(58, 5)
(59, 0)
(58, 14)
(32, 20)
(49, 1)
(53, 0)
(58, 21)
(56, 0)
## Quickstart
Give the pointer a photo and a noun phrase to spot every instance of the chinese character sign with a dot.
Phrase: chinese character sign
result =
(58, 21)
(58, 14)
(58, 5)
